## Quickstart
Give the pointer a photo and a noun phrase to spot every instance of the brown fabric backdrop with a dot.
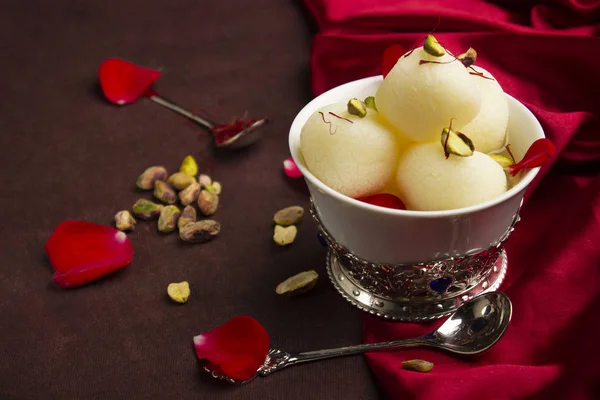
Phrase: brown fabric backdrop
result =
(68, 154)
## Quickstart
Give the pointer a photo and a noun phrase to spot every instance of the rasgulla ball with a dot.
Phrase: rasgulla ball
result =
(488, 129)
(430, 182)
(420, 99)
(356, 158)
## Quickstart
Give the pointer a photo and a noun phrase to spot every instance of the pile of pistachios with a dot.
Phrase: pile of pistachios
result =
(181, 187)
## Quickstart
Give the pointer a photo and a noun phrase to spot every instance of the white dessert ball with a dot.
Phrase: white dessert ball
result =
(430, 182)
(420, 99)
(488, 129)
(352, 155)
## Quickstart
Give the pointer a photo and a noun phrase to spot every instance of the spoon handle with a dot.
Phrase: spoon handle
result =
(174, 107)
(278, 359)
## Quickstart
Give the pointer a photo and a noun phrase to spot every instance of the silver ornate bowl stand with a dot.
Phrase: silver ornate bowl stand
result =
(413, 292)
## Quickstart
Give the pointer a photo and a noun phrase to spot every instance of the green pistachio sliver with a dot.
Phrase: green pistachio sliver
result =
(502, 160)
(357, 107)
(456, 143)
(370, 103)
(297, 284)
(417, 365)
(433, 47)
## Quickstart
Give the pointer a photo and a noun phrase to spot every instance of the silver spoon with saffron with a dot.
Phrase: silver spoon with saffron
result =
(475, 327)
(237, 135)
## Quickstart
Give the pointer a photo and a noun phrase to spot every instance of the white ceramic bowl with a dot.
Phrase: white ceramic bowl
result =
(390, 236)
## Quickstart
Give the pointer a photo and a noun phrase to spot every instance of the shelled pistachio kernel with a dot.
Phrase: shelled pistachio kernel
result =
(147, 179)
(357, 107)
(468, 58)
(146, 210)
(215, 187)
(187, 215)
(204, 180)
(208, 202)
(180, 180)
(288, 216)
(168, 219)
(124, 221)
(190, 194)
(189, 166)
(179, 292)
(284, 235)
(297, 284)
(200, 231)
(502, 160)
(164, 192)
(370, 103)
(433, 47)
(456, 143)
(417, 365)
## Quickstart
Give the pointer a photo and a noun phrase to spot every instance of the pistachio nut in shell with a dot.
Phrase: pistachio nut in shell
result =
(297, 284)
(190, 194)
(208, 202)
(179, 292)
(164, 192)
(200, 231)
(284, 235)
(180, 180)
(167, 222)
(124, 221)
(187, 215)
(189, 166)
(288, 216)
(146, 210)
(147, 179)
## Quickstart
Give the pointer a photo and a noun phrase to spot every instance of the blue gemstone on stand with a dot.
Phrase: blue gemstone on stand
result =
(322, 240)
(440, 285)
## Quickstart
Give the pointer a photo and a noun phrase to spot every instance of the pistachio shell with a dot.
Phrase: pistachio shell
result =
(297, 284)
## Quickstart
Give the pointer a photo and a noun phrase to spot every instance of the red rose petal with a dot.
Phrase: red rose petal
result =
(291, 169)
(384, 200)
(390, 56)
(123, 82)
(237, 348)
(538, 153)
(81, 252)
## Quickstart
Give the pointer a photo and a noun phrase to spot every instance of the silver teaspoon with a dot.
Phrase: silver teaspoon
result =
(475, 327)
(244, 138)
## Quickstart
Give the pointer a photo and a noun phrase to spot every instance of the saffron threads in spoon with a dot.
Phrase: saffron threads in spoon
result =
(224, 132)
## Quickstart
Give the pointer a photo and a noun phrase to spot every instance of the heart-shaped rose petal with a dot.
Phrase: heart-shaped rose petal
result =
(538, 153)
(124, 82)
(391, 55)
(81, 252)
(291, 169)
(236, 349)
(384, 200)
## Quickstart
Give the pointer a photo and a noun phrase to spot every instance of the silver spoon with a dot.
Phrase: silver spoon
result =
(475, 327)
(242, 139)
